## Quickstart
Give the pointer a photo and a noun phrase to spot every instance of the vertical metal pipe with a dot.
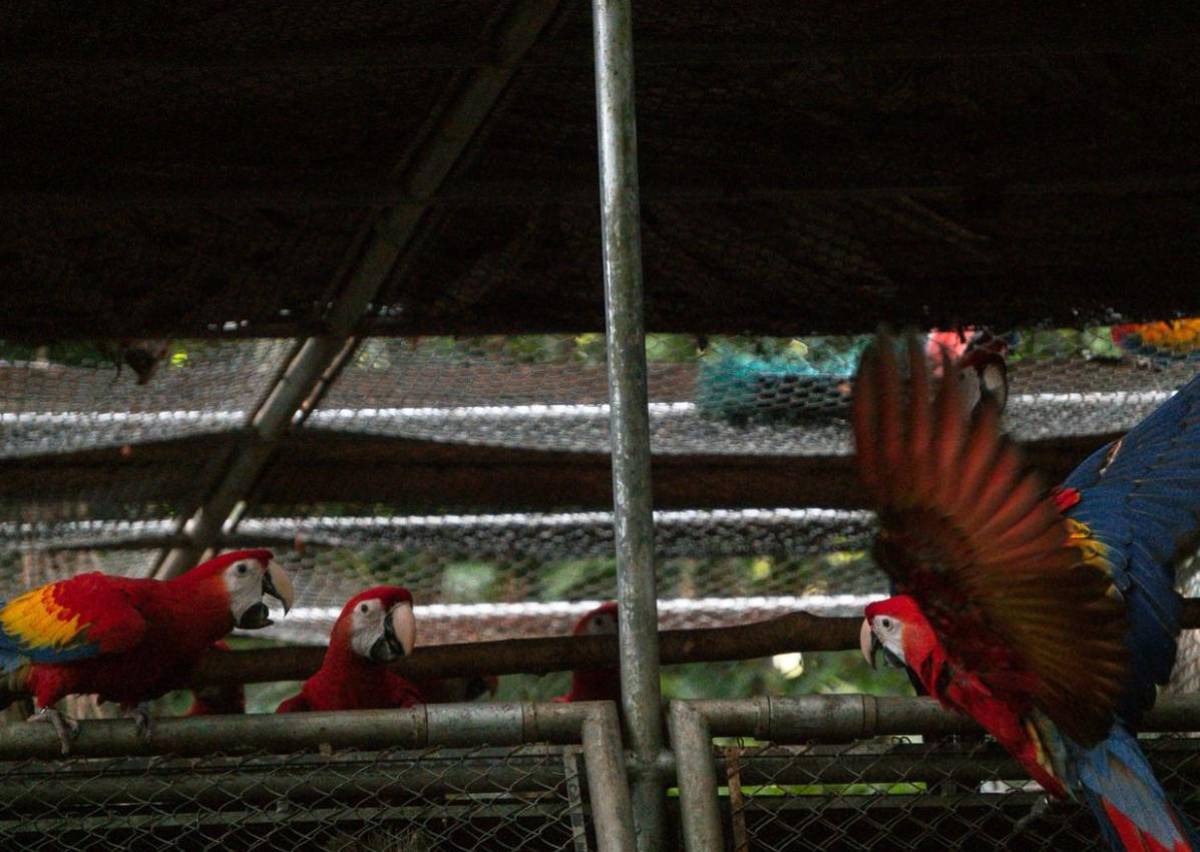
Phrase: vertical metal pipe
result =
(696, 774)
(629, 424)
(607, 781)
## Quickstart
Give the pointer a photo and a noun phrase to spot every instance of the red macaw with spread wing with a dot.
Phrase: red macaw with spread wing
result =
(1047, 617)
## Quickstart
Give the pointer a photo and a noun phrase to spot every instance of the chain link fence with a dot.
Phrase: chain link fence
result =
(553, 778)
(905, 794)
(856, 772)
(527, 797)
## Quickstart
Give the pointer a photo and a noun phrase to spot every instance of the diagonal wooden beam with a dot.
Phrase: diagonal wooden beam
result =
(448, 134)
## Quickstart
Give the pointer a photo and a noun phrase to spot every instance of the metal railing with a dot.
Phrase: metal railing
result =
(864, 772)
(435, 777)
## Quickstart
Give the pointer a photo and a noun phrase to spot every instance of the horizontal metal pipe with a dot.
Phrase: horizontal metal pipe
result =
(417, 727)
(842, 718)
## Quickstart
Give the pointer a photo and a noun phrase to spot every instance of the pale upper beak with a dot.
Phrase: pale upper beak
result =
(278, 585)
(399, 634)
(402, 627)
(868, 642)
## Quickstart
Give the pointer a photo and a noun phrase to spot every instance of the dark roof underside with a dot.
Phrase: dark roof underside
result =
(806, 168)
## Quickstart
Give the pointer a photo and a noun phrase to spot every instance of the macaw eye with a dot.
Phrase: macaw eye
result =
(365, 607)
(242, 569)
(885, 623)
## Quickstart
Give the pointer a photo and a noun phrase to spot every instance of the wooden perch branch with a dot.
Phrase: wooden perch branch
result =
(798, 631)
(553, 653)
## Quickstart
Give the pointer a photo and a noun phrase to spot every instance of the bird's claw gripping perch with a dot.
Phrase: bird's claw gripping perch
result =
(142, 720)
(66, 727)
(1040, 805)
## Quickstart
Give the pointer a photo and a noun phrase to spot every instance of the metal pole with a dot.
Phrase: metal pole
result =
(629, 425)
(607, 781)
(696, 777)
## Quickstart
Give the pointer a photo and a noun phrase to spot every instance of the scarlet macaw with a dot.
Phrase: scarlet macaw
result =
(1048, 618)
(979, 356)
(229, 699)
(595, 684)
(130, 639)
(374, 628)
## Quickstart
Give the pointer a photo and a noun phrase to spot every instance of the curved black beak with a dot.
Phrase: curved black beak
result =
(399, 635)
(255, 618)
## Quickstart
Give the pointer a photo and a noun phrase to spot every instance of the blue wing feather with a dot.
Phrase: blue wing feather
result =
(1143, 503)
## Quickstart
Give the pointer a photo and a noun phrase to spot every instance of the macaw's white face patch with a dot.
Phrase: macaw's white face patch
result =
(366, 626)
(601, 623)
(382, 635)
(246, 581)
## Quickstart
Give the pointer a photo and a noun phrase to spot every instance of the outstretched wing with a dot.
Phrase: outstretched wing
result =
(967, 531)
(70, 620)
(1139, 500)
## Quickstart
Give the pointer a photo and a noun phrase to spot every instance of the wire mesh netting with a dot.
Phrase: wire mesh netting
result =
(550, 391)
(731, 395)
(95, 460)
(84, 396)
(901, 794)
(467, 598)
(528, 797)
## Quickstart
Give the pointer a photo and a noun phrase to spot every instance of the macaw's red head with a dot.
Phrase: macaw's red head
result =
(984, 375)
(245, 576)
(601, 620)
(896, 626)
(595, 684)
(980, 355)
(377, 625)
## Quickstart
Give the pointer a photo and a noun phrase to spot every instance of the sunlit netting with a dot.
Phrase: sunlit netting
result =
(95, 400)
(769, 396)
(550, 392)
(902, 795)
(529, 797)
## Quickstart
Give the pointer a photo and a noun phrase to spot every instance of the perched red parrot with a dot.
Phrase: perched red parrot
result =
(374, 628)
(1048, 617)
(979, 357)
(229, 699)
(595, 684)
(131, 640)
